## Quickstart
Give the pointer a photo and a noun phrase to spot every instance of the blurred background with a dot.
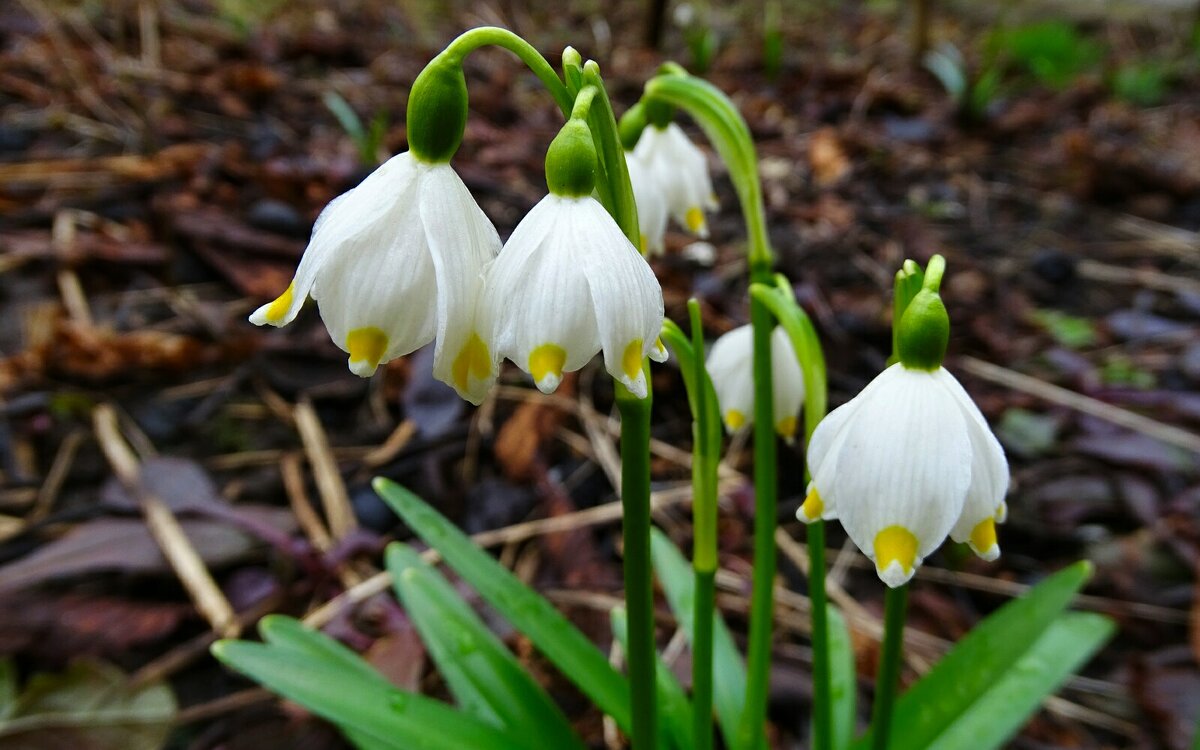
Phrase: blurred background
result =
(162, 162)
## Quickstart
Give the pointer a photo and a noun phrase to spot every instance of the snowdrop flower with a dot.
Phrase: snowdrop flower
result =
(730, 365)
(651, 206)
(569, 283)
(910, 459)
(395, 263)
(681, 169)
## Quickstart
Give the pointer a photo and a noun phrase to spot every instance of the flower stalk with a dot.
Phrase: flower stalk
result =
(895, 608)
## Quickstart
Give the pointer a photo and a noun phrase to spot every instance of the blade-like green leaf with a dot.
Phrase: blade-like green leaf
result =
(842, 682)
(1004, 708)
(674, 708)
(729, 672)
(561, 642)
(373, 709)
(289, 634)
(979, 660)
(8, 688)
(484, 676)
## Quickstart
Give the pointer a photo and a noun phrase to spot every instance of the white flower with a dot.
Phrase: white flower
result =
(731, 366)
(903, 464)
(395, 263)
(568, 284)
(682, 171)
(651, 203)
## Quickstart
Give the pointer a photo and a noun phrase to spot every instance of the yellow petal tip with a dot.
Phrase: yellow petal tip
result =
(813, 507)
(546, 366)
(472, 361)
(786, 428)
(631, 359)
(734, 420)
(983, 539)
(366, 347)
(895, 554)
(695, 220)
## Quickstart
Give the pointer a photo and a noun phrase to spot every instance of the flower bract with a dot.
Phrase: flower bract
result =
(731, 366)
(905, 463)
(394, 264)
(568, 284)
(681, 170)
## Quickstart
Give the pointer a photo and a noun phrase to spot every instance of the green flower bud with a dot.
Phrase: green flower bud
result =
(571, 161)
(659, 113)
(437, 110)
(923, 331)
(632, 123)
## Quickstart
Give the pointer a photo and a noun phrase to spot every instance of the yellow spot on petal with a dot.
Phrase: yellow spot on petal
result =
(895, 544)
(786, 428)
(631, 360)
(813, 507)
(547, 361)
(279, 308)
(472, 360)
(734, 420)
(694, 219)
(1001, 512)
(643, 243)
(983, 536)
(366, 347)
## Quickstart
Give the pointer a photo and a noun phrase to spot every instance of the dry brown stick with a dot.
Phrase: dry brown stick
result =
(1058, 395)
(164, 527)
(222, 705)
(334, 498)
(293, 484)
(59, 468)
(391, 447)
(1143, 277)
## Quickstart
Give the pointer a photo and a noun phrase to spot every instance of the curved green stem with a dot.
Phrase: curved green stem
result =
(639, 592)
(895, 607)
(612, 178)
(483, 36)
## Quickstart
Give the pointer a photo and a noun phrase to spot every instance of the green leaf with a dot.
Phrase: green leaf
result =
(674, 708)
(484, 676)
(843, 685)
(91, 706)
(1004, 708)
(377, 713)
(287, 634)
(8, 688)
(979, 661)
(560, 641)
(729, 672)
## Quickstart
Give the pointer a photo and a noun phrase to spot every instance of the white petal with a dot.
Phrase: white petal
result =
(626, 296)
(787, 384)
(651, 205)
(903, 460)
(461, 242)
(538, 296)
(731, 367)
(989, 476)
(682, 170)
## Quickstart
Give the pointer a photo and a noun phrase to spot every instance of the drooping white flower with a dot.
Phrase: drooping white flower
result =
(731, 366)
(568, 284)
(681, 168)
(394, 264)
(906, 462)
(651, 203)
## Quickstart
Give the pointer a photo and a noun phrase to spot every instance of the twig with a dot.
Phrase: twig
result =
(164, 527)
(1055, 394)
(334, 498)
(63, 459)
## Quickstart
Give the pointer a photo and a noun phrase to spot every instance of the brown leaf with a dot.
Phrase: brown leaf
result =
(827, 158)
(399, 656)
(59, 625)
(530, 425)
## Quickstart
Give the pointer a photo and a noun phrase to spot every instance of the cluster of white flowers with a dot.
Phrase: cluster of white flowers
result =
(670, 177)
(408, 257)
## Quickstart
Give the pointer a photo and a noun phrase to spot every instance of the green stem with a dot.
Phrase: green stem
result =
(471, 40)
(705, 455)
(639, 593)
(612, 178)
(822, 705)
(762, 593)
(889, 666)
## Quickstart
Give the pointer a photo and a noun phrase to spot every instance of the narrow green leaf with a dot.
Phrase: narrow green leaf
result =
(8, 688)
(345, 115)
(674, 708)
(843, 685)
(561, 642)
(729, 672)
(484, 676)
(979, 660)
(290, 635)
(1003, 709)
(373, 709)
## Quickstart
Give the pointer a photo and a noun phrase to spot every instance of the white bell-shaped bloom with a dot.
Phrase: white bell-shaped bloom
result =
(568, 284)
(681, 168)
(651, 202)
(906, 462)
(730, 364)
(395, 263)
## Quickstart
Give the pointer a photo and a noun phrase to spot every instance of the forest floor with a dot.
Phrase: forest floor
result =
(161, 164)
